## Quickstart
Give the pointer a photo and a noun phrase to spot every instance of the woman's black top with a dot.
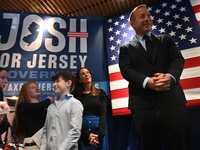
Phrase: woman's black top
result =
(95, 105)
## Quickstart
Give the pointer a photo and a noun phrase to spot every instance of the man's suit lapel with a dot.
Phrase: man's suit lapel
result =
(138, 47)
(156, 45)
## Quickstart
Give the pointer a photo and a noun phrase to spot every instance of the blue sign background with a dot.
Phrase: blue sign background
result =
(37, 46)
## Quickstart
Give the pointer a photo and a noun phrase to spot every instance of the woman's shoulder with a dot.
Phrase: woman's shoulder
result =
(22, 104)
(102, 91)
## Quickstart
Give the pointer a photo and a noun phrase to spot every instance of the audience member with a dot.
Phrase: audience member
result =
(62, 127)
(30, 114)
(94, 115)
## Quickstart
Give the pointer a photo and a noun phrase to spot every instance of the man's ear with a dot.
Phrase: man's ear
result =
(132, 23)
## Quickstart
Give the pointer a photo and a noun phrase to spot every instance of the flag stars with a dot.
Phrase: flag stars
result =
(117, 32)
(164, 5)
(124, 34)
(154, 27)
(149, 9)
(173, 6)
(185, 19)
(123, 25)
(116, 23)
(192, 40)
(167, 13)
(189, 29)
(112, 48)
(172, 33)
(113, 58)
(109, 20)
(182, 9)
(176, 16)
(169, 23)
(160, 20)
(118, 41)
(182, 37)
(157, 11)
(111, 38)
(110, 29)
(178, 26)
(122, 17)
(162, 30)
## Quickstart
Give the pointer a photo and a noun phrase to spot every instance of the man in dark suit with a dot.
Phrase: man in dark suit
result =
(153, 65)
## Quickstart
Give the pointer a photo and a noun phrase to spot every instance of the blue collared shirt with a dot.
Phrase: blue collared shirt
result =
(63, 124)
(139, 37)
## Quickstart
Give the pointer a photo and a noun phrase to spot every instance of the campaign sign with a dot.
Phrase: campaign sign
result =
(34, 47)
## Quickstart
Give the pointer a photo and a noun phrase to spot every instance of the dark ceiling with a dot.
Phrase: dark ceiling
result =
(90, 8)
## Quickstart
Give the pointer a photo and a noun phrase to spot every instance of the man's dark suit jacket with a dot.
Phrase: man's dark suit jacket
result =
(135, 66)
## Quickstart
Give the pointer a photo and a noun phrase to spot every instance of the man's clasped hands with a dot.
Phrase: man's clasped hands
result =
(160, 82)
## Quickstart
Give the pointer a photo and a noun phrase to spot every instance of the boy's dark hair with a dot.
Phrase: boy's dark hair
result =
(65, 75)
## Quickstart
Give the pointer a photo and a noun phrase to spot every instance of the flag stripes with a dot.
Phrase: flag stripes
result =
(78, 34)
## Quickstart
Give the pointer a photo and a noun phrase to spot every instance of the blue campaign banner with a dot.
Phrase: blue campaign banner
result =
(36, 46)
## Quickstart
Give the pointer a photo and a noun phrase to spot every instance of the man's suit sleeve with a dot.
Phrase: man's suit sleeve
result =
(176, 59)
(126, 67)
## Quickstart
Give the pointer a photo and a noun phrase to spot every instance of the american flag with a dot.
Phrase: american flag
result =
(178, 18)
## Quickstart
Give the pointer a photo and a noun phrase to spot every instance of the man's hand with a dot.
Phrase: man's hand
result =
(151, 83)
(162, 82)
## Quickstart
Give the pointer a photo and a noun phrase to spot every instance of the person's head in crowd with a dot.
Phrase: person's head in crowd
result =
(83, 79)
(3, 77)
(29, 92)
(63, 82)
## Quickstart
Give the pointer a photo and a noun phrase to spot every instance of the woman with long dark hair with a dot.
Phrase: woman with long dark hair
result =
(94, 115)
